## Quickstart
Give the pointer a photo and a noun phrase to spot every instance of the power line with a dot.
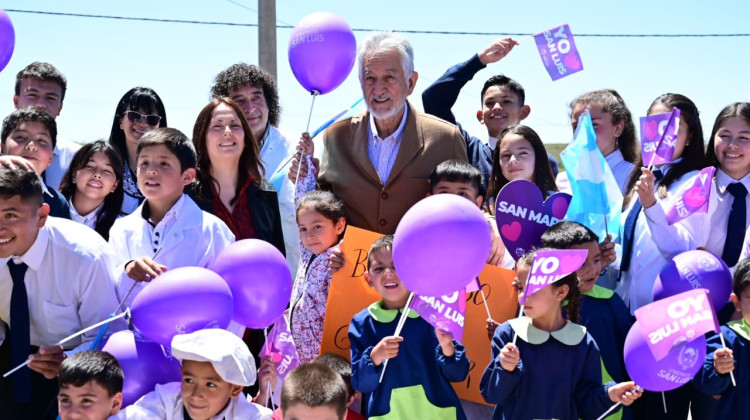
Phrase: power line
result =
(406, 31)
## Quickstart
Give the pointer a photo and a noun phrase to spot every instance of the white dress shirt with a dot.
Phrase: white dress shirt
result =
(69, 284)
(165, 403)
(186, 236)
(63, 155)
(707, 230)
(636, 285)
(383, 151)
(275, 150)
(89, 219)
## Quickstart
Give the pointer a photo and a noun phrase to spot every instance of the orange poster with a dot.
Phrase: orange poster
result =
(349, 294)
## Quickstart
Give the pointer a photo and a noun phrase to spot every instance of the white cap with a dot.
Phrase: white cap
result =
(227, 353)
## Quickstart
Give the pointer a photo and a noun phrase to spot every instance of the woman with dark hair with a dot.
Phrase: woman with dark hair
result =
(229, 180)
(93, 186)
(139, 111)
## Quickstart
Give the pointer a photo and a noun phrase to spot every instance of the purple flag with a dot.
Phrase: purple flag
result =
(673, 321)
(446, 313)
(473, 286)
(280, 346)
(693, 199)
(659, 137)
(558, 52)
(550, 266)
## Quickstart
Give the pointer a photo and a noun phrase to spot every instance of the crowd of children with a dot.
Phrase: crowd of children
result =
(132, 205)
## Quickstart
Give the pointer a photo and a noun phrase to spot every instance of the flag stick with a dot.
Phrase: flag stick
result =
(399, 327)
(520, 313)
(724, 345)
(484, 299)
(606, 413)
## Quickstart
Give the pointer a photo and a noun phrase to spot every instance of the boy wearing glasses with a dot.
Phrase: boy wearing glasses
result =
(168, 230)
(41, 84)
(31, 133)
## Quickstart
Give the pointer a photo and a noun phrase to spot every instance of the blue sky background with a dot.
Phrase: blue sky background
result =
(103, 58)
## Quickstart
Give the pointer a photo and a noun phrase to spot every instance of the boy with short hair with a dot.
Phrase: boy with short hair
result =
(31, 133)
(90, 386)
(55, 280)
(313, 391)
(601, 311)
(216, 365)
(342, 366)
(714, 378)
(417, 383)
(168, 230)
(502, 104)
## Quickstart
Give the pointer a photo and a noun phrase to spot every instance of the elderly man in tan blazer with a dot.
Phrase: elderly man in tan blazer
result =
(378, 162)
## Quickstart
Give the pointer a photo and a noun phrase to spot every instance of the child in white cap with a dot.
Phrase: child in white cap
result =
(216, 365)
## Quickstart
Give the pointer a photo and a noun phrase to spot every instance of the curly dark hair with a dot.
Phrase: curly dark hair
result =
(240, 75)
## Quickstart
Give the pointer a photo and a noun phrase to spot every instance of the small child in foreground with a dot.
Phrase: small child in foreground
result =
(423, 360)
(90, 386)
(313, 391)
(216, 365)
(552, 369)
(714, 378)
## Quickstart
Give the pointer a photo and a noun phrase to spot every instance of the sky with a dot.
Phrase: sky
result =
(104, 58)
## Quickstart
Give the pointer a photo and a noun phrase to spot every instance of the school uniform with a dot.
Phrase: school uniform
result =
(558, 376)
(707, 230)
(88, 220)
(69, 286)
(186, 236)
(646, 261)
(58, 206)
(733, 402)
(416, 384)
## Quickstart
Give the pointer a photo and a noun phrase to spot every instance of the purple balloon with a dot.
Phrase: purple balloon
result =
(321, 51)
(181, 301)
(259, 278)
(695, 270)
(144, 364)
(673, 371)
(7, 39)
(441, 244)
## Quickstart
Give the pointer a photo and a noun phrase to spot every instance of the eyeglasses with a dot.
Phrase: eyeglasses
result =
(136, 117)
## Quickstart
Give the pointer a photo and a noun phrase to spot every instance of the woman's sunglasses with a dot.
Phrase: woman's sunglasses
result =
(136, 117)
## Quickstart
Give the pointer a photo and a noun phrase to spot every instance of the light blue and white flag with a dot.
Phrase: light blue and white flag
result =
(597, 200)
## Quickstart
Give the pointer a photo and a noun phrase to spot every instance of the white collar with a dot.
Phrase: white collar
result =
(571, 334)
(614, 158)
(723, 180)
(81, 218)
(35, 254)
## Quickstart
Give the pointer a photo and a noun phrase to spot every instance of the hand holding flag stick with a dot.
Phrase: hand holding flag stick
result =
(637, 390)
(399, 327)
(724, 345)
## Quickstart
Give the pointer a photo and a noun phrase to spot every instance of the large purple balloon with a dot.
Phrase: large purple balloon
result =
(440, 245)
(259, 278)
(7, 39)
(695, 270)
(181, 301)
(673, 371)
(321, 51)
(144, 364)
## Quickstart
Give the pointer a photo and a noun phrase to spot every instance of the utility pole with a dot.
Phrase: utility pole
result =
(267, 36)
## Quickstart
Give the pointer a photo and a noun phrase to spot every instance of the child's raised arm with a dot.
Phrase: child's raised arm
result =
(451, 357)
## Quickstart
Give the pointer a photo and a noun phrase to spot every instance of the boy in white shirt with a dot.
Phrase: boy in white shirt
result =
(216, 364)
(168, 230)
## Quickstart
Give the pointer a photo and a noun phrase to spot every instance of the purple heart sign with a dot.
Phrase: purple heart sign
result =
(522, 215)
(558, 52)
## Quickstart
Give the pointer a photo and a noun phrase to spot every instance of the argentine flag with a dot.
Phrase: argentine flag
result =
(597, 200)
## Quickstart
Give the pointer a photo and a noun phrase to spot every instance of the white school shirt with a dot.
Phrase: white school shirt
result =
(275, 151)
(69, 284)
(706, 230)
(63, 155)
(165, 403)
(186, 236)
(89, 219)
(621, 169)
(636, 284)
(745, 246)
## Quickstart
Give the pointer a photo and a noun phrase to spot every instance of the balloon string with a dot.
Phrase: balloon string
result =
(315, 94)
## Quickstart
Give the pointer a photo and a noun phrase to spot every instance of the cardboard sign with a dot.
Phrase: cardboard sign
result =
(349, 294)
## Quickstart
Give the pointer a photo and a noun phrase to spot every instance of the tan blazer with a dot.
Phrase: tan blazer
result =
(346, 169)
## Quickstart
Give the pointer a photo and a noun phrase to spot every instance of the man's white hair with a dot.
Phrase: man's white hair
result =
(382, 42)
